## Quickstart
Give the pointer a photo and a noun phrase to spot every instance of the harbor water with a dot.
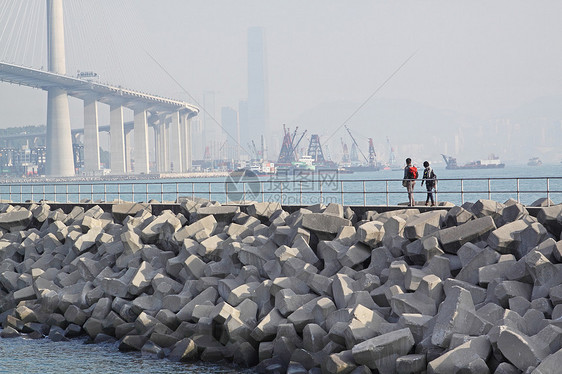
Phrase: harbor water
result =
(20, 355)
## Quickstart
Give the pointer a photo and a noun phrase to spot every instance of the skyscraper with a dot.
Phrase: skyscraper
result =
(258, 112)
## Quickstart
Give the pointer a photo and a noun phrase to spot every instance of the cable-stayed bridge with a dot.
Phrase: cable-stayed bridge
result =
(168, 117)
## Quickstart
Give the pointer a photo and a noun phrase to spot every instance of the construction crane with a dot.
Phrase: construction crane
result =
(296, 145)
(355, 142)
(315, 149)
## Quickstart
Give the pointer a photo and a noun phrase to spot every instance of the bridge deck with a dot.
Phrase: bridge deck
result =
(83, 89)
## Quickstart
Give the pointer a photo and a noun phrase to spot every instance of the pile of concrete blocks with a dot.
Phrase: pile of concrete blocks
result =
(471, 289)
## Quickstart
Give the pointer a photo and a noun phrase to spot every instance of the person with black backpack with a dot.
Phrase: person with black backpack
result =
(409, 181)
(430, 179)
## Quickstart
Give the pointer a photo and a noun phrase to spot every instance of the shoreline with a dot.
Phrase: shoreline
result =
(317, 288)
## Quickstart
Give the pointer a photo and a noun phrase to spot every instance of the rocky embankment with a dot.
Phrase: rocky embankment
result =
(476, 289)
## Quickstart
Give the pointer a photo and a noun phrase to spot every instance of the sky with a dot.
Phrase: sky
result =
(476, 59)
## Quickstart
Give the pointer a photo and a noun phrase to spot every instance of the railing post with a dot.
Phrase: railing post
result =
(192, 190)
(209, 191)
(177, 191)
(518, 190)
(462, 191)
(364, 196)
(387, 197)
(548, 191)
(489, 189)
(162, 193)
(226, 193)
(321, 195)
(105, 193)
(119, 192)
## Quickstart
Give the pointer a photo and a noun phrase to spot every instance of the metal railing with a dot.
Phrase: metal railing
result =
(364, 192)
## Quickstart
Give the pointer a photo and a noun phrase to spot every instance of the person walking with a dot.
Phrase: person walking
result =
(430, 179)
(409, 181)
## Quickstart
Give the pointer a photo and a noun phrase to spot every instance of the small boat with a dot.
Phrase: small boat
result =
(534, 161)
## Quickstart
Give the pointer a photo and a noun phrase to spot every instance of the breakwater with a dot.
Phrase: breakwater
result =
(323, 288)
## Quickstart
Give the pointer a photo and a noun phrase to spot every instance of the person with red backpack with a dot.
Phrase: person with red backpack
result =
(409, 181)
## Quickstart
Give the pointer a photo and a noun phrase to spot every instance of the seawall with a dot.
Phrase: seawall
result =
(292, 289)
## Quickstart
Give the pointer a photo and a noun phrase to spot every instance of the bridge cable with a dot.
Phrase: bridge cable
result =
(5, 17)
(18, 33)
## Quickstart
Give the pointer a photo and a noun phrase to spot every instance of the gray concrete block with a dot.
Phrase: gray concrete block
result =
(453, 238)
(469, 357)
(355, 255)
(519, 349)
(548, 217)
(455, 315)
(423, 224)
(457, 216)
(122, 210)
(382, 351)
(15, 220)
(324, 224)
(413, 363)
(371, 233)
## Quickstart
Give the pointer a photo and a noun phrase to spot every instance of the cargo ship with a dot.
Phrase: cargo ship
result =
(492, 162)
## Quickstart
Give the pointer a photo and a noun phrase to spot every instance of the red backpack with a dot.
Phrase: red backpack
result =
(412, 172)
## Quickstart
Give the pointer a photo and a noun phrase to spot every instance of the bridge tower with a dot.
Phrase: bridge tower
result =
(60, 160)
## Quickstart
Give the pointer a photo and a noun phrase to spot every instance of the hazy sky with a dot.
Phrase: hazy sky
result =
(478, 58)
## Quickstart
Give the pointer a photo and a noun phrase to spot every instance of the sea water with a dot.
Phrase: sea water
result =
(43, 356)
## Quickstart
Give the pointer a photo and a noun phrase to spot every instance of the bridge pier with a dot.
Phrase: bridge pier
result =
(175, 144)
(60, 161)
(91, 136)
(165, 146)
(117, 139)
(186, 143)
(141, 142)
